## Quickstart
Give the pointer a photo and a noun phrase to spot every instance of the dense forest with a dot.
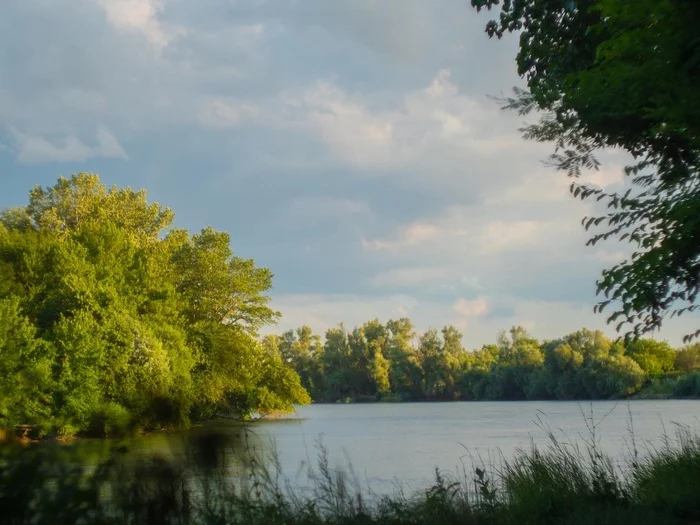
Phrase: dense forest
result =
(391, 361)
(110, 318)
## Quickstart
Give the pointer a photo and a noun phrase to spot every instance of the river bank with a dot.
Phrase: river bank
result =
(554, 483)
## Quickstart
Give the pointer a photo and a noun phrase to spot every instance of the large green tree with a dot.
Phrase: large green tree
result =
(110, 317)
(621, 74)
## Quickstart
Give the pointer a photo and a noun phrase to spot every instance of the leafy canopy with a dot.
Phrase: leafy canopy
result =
(110, 318)
(621, 74)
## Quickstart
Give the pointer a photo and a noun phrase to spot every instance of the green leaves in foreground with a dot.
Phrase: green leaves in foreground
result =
(621, 74)
(109, 317)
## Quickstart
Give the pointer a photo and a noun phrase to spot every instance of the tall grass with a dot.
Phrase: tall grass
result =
(559, 483)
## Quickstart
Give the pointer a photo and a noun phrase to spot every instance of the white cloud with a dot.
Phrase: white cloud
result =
(545, 187)
(35, 149)
(471, 308)
(355, 134)
(414, 234)
(140, 16)
(464, 230)
(436, 130)
(501, 236)
(421, 121)
(612, 257)
(611, 174)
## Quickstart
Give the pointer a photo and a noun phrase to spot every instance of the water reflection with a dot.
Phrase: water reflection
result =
(386, 444)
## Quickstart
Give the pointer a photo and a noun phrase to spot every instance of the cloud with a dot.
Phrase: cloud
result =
(469, 230)
(347, 145)
(413, 235)
(140, 16)
(430, 129)
(361, 135)
(470, 308)
(502, 236)
(227, 113)
(410, 277)
(36, 149)
(612, 257)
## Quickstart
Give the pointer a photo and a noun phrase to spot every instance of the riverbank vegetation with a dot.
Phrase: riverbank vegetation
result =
(392, 362)
(557, 484)
(112, 319)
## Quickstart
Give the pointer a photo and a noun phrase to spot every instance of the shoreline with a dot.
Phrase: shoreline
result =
(19, 435)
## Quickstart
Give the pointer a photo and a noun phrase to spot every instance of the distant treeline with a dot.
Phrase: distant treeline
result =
(391, 361)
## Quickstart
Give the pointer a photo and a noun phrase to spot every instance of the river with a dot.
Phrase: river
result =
(384, 443)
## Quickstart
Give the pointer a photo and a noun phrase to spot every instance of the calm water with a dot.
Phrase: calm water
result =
(407, 441)
(384, 442)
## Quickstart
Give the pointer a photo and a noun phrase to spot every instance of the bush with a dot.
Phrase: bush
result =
(688, 386)
(110, 419)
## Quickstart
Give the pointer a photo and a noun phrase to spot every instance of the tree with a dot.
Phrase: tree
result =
(562, 365)
(301, 350)
(440, 361)
(654, 357)
(368, 345)
(25, 368)
(688, 358)
(112, 318)
(405, 373)
(339, 364)
(621, 74)
(519, 360)
(589, 343)
(611, 376)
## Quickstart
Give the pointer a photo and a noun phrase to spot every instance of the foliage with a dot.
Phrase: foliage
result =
(688, 358)
(392, 362)
(654, 357)
(621, 74)
(110, 318)
(662, 479)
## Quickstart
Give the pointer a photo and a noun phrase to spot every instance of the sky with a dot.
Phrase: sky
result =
(352, 146)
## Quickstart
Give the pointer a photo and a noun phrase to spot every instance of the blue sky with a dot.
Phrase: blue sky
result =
(349, 145)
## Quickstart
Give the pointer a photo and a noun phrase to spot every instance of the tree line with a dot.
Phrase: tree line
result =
(111, 318)
(392, 361)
